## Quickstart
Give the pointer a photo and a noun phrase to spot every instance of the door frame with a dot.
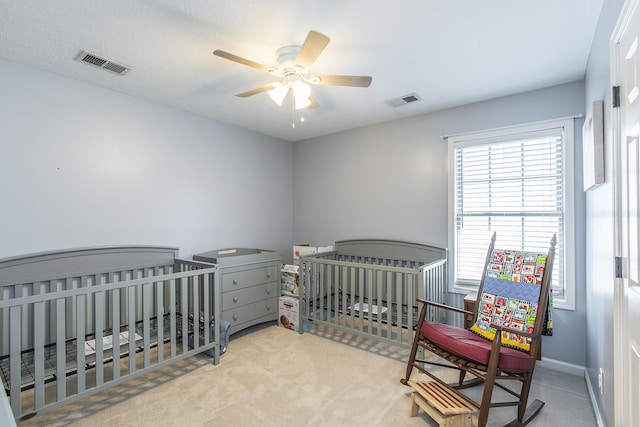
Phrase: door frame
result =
(620, 325)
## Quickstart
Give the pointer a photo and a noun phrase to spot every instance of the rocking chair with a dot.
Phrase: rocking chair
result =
(511, 313)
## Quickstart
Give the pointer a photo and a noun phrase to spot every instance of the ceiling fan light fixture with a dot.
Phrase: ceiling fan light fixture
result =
(302, 103)
(301, 93)
(278, 93)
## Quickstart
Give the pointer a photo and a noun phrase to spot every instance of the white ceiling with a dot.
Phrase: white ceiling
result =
(449, 52)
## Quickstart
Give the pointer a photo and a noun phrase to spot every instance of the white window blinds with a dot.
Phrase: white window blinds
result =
(512, 184)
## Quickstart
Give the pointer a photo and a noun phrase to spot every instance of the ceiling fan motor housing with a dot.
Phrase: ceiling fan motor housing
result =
(287, 67)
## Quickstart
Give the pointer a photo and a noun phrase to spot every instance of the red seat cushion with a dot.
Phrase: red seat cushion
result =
(467, 345)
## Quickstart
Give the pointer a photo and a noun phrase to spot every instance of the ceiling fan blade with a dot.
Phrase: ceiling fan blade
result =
(312, 47)
(256, 91)
(243, 61)
(314, 102)
(332, 80)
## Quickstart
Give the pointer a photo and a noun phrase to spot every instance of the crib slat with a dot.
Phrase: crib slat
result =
(115, 332)
(352, 293)
(306, 290)
(61, 315)
(321, 292)
(80, 329)
(369, 294)
(217, 314)
(98, 321)
(70, 309)
(410, 300)
(339, 291)
(124, 301)
(172, 307)
(336, 291)
(210, 313)
(89, 303)
(205, 295)
(108, 304)
(4, 322)
(379, 301)
(326, 290)
(15, 341)
(39, 329)
(160, 319)
(184, 310)
(22, 290)
(399, 286)
(50, 313)
(389, 300)
(196, 311)
(131, 325)
(147, 291)
(138, 312)
(361, 293)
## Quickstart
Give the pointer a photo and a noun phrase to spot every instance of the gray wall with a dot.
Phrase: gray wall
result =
(390, 181)
(599, 225)
(84, 166)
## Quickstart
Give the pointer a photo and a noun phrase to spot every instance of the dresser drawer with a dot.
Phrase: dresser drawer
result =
(248, 295)
(247, 313)
(233, 280)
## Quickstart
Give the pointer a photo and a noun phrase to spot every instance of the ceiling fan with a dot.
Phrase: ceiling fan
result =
(293, 67)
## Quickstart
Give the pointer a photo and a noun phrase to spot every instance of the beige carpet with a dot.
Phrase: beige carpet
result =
(270, 376)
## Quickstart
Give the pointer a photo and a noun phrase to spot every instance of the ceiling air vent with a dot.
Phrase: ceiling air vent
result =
(403, 100)
(105, 64)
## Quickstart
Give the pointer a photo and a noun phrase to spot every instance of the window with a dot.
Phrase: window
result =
(518, 182)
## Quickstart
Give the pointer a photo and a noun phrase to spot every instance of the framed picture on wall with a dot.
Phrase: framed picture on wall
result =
(593, 146)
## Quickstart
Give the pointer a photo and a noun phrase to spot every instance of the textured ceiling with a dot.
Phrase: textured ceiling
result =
(448, 52)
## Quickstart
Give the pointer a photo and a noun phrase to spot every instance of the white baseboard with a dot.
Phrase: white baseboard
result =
(557, 365)
(594, 401)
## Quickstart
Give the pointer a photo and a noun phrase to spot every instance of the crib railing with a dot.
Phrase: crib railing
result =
(68, 283)
(373, 297)
(64, 340)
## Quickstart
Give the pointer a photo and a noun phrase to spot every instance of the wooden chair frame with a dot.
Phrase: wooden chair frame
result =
(488, 374)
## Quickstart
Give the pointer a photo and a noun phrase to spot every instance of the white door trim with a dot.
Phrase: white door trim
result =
(620, 325)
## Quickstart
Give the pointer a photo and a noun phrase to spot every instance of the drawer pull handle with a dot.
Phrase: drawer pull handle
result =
(268, 275)
(235, 299)
(268, 291)
(269, 307)
(235, 281)
(235, 317)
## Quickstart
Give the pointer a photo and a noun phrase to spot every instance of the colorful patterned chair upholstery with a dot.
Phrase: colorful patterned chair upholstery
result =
(513, 311)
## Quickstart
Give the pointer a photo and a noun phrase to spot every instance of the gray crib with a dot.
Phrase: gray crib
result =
(74, 322)
(369, 287)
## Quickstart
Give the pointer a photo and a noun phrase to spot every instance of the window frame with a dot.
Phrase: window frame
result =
(568, 189)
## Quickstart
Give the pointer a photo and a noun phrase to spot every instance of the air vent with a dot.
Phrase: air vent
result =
(403, 100)
(105, 64)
